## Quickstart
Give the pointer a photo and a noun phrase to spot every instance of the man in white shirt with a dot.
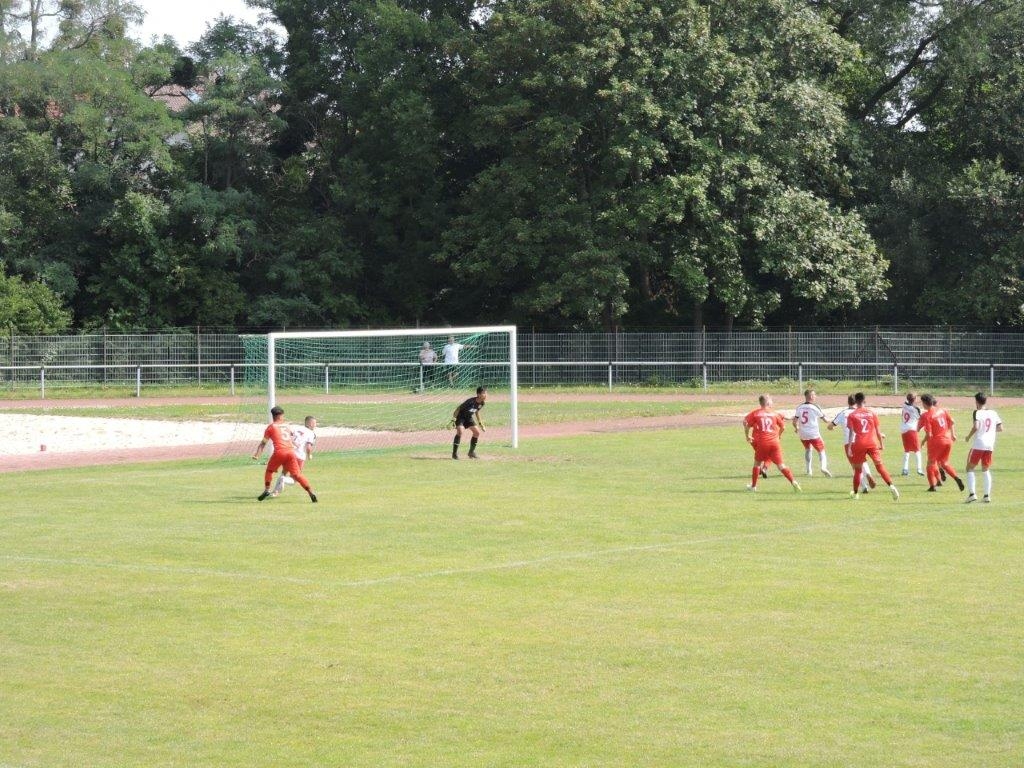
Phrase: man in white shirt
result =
(303, 439)
(910, 415)
(806, 421)
(986, 424)
(839, 420)
(450, 356)
(450, 351)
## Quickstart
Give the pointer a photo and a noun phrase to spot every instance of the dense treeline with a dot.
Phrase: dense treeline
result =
(553, 163)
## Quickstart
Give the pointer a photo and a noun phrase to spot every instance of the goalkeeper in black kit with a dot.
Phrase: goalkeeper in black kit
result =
(467, 416)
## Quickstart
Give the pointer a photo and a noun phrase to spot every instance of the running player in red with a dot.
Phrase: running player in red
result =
(839, 420)
(762, 428)
(862, 425)
(940, 429)
(278, 433)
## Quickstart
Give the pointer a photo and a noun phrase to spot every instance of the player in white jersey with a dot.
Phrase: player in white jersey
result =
(986, 424)
(807, 420)
(910, 414)
(839, 420)
(303, 438)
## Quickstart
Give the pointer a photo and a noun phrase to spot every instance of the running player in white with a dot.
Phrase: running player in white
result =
(303, 438)
(839, 420)
(807, 419)
(986, 424)
(909, 416)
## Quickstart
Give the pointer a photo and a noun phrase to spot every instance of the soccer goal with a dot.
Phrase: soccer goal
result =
(374, 389)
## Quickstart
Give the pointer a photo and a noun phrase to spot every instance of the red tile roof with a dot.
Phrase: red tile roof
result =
(176, 97)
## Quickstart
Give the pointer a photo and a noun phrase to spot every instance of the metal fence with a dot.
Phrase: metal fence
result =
(889, 357)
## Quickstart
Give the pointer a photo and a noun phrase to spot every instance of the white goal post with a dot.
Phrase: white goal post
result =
(387, 361)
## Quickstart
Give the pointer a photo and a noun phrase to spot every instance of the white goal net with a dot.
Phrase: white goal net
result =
(384, 388)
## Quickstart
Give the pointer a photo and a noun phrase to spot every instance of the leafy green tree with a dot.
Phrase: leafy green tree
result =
(227, 35)
(651, 158)
(160, 64)
(941, 165)
(98, 26)
(30, 307)
(84, 136)
(373, 108)
(10, 33)
(175, 263)
(36, 205)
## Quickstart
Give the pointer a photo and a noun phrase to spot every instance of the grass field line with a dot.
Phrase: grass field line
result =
(665, 546)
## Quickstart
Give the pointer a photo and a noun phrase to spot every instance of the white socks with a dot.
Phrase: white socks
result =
(972, 485)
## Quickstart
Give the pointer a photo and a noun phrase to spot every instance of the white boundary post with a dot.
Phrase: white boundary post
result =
(271, 371)
(513, 383)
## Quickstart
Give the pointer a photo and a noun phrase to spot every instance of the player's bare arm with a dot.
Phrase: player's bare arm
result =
(259, 448)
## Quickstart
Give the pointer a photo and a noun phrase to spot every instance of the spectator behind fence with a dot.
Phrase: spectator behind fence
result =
(428, 359)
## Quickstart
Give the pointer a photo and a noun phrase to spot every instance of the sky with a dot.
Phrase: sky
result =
(186, 20)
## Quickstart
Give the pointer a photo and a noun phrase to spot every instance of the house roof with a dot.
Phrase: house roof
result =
(176, 97)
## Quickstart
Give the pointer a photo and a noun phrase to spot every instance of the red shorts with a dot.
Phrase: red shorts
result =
(287, 460)
(911, 441)
(768, 452)
(976, 457)
(938, 450)
(860, 453)
(817, 444)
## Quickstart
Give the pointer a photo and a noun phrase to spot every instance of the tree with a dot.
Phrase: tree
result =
(174, 263)
(36, 204)
(237, 117)
(942, 166)
(227, 35)
(30, 307)
(649, 157)
(373, 108)
(84, 137)
(99, 26)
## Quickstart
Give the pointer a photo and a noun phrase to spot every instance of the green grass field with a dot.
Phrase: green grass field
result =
(608, 600)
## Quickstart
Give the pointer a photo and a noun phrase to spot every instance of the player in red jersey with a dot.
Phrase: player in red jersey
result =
(762, 428)
(278, 433)
(862, 425)
(940, 430)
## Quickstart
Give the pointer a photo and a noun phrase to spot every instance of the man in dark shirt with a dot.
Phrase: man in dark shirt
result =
(467, 416)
